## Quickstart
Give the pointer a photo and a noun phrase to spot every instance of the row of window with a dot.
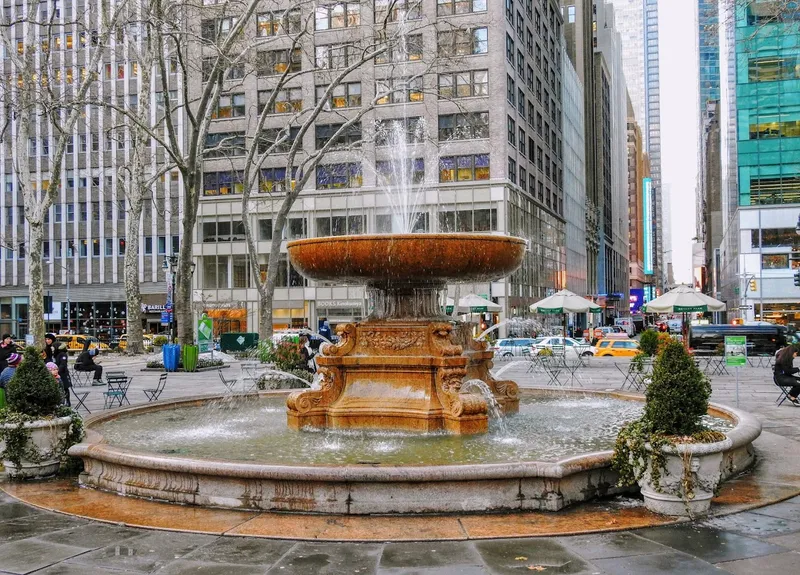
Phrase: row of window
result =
(94, 248)
(349, 175)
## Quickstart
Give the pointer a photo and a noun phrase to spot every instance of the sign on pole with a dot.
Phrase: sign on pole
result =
(735, 350)
(205, 332)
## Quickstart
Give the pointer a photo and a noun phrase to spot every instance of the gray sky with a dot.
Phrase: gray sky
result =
(679, 118)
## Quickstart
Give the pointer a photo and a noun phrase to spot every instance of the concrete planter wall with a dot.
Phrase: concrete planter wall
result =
(369, 489)
(45, 437)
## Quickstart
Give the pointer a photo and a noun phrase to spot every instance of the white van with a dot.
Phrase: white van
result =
(626, 324)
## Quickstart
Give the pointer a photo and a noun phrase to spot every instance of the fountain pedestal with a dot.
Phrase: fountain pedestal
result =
(400, 369)
(391, 375)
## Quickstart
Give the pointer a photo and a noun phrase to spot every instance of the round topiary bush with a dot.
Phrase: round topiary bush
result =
(677, 396)
(33, 390)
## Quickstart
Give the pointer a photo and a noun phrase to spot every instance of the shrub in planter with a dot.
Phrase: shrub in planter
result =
(662, 451)
(35, 429)
(648, 342)
(160, 340)
(287, 356)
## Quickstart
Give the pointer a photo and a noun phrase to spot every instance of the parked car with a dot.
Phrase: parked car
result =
(570, 346)
(614, 347)
(512, 346)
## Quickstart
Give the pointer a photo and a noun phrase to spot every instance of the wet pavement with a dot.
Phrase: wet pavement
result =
(763, 541)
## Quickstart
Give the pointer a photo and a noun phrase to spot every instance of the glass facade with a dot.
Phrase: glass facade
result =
(708, 41)
(768, 103)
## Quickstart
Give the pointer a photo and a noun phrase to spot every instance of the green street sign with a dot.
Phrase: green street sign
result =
(205, 333)
(735, 350)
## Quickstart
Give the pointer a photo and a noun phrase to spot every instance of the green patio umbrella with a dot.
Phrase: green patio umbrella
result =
(565, 302)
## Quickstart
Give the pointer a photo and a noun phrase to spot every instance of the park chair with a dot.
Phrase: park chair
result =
(154, 393)
(229, 384)
(117, 392)
(784, 391)
(81, 378)
(250, 376)
(80, 398)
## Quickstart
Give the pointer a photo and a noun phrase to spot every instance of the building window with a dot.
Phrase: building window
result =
(229, 106)
(464, 168)
(148, 246)
(342, 96)
(396, 172)
(776, 237)
(512, 131)
(277, 140)
(483, 220)
(286, 101)
(224, 145)
(340, 226)
(274, 23)
(391, 10)
(510, 49)
(109, 251)
(512, 170)
(399, 90)
(464, 84)
(278, 61)
(348, 137)
(773, 69)
(339, 15)
(336, 56)
(467, 126)
(775, 261)
(265, 229)
(335, 176)
(273, 180)
(775, 129)
(223, 183)
(216, 28)
(463, 42)
(522, 142)
(511, 90)
(448, 7)
(410, 52)
(397, 131)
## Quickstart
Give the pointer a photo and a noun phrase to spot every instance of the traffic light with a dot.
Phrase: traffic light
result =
(797, 278)
(753, 284)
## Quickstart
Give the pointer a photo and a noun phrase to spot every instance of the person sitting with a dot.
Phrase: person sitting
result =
(7, 347)
(85, 362)
(784, 370)
(12, 361)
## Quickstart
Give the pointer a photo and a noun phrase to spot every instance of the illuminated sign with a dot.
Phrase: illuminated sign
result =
(647, 222)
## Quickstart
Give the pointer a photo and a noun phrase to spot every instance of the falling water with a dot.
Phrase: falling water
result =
(529, 325)
(508, 366)
(405, 142)
(495, 411)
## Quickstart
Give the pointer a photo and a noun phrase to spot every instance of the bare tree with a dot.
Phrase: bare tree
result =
(31, 39)
(300, 165)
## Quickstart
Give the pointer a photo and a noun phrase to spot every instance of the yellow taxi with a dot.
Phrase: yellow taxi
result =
(75, 342)
(147, 340)
(617, 347)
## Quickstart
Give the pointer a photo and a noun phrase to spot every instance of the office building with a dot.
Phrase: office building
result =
(763, 203)
(637, 22)
(638, 174)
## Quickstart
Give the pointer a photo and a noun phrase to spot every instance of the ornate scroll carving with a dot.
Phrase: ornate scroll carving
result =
(440, 342)
(331, 387)
(390, 340)
(454, 403)
(347, 341)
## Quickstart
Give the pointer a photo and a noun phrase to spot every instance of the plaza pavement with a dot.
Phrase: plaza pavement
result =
(763, 541)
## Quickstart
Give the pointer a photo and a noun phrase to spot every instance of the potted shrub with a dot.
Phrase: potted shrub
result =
(158, 342)
(675, 460)
(35, 429)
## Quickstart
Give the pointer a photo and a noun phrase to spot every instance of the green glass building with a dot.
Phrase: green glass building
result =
(768, 102)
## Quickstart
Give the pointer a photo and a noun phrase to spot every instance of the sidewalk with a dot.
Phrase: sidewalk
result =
(762, 541)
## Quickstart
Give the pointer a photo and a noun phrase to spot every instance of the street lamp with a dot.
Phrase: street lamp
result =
(171, 265)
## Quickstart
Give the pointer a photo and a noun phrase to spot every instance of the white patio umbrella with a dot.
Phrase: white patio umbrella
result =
(474, 303)
(565, 302)
(683, 299)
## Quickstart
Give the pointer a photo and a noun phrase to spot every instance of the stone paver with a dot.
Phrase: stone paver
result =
(762, 541)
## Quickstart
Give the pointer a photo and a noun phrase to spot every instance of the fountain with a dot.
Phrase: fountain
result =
(399, 369)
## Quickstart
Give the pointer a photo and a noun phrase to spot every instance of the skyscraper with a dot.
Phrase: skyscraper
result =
(637, 22)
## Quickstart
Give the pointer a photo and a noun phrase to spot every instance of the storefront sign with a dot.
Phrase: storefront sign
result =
(153, 308)
(328, 303)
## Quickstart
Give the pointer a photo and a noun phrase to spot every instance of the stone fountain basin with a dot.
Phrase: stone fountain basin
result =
(418, 259)
(372, 488)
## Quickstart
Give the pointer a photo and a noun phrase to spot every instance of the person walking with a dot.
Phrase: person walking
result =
(7, 347)
(784, 370)
(85, 362)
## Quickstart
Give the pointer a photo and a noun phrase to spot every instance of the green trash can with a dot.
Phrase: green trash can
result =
(2, 398)
(189, 357)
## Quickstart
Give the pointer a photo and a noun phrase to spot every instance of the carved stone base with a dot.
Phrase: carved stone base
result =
(391, 375)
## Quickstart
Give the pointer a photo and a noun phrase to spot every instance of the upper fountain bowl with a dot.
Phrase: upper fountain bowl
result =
(407, 259)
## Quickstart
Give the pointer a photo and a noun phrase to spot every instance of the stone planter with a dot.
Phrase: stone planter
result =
(45, 436)
(700, 464)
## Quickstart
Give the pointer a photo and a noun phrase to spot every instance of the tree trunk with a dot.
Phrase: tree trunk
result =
(264, 316)
(133, 296)
(183, 281)
(35, 283)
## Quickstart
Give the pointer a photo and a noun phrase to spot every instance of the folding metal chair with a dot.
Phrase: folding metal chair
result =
(80, 398)
(553, 367)
(81, 378)
(117, 392)
(154, 393)
(250, 376)
(229, 384)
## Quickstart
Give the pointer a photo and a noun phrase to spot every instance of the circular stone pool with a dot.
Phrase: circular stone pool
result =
(239, 453)
(254, 430)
